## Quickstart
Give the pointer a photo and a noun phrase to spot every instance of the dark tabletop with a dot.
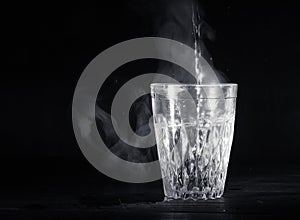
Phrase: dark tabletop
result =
(250, 193)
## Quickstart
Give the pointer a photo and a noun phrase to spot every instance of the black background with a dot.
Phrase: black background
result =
(46, 48)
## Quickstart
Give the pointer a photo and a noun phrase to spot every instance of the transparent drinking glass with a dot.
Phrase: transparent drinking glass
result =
(194, 127)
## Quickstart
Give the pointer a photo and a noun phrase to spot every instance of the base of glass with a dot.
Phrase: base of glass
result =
(194, 196)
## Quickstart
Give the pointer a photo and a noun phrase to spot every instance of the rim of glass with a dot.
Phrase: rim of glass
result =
(213, 91)
(193, 85)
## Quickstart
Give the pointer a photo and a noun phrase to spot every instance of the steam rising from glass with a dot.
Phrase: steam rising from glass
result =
(179, 20)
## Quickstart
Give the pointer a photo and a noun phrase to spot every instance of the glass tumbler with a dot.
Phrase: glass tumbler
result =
(194, 127)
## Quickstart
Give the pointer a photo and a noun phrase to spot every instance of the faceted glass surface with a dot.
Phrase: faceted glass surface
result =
(194, 127)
